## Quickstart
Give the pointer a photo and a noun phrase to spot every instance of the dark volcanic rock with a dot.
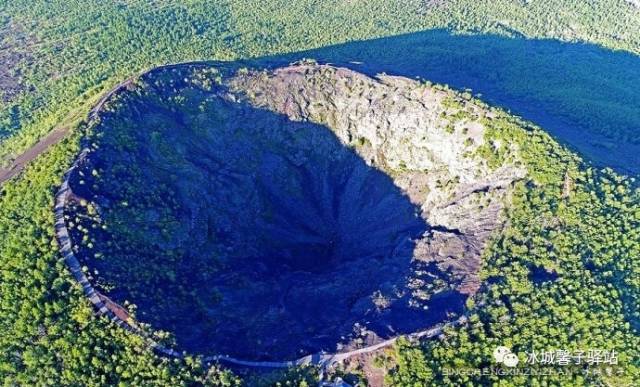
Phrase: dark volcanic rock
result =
(275, 214)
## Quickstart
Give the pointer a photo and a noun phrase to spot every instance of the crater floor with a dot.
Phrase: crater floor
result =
(240, 215)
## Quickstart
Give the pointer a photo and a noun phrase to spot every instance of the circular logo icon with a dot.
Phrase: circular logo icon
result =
(500, 352)
(510, 360)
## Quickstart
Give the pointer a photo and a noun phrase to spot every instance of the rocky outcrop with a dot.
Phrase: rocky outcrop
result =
(424, 137)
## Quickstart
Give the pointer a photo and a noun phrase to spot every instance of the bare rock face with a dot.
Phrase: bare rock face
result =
(420, 135)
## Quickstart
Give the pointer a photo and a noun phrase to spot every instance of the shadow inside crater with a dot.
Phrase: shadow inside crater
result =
(245, 233)
(242, 232)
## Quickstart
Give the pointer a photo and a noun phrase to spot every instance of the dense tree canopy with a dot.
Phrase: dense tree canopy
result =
(577, 224)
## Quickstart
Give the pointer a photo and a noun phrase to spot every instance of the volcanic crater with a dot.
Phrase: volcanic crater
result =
(269, 214)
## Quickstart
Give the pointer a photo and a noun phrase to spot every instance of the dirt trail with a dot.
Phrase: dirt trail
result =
(30, 154)
(325, 360)
(55, 136)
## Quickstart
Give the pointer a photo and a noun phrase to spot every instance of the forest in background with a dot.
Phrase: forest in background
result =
(60, 55)
(63, 55)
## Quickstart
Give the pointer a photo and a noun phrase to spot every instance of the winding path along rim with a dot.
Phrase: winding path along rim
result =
(321, 359)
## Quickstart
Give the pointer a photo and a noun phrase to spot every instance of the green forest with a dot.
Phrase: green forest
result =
(576, 220)
(588, 236)
(61, 54)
